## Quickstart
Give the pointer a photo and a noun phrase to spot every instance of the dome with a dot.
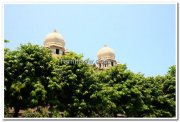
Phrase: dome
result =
(106, 53)
(54, 39)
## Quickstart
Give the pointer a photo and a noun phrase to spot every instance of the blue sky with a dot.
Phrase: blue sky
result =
(143, 36)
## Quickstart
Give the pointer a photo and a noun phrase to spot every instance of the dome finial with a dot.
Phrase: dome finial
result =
(105, 45)
(55, 30)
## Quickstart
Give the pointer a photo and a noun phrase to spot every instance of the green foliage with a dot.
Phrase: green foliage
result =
(172, 71)
(6, 41)
(119, 92)
(75, 80)
(73, 88)
(56, 114)
(27, 73)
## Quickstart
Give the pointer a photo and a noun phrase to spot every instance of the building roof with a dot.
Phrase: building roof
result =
(106, 53)
(54, 38)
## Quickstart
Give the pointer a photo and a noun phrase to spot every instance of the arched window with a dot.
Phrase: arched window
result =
(112, 63)
(57, 51)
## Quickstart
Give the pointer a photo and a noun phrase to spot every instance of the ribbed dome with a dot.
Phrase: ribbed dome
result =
(54, 38)
(106, 53)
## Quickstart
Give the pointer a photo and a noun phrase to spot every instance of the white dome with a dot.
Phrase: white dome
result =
(106, 53)
(55, 39)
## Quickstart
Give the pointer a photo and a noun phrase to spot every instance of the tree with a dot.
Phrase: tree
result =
(69, 84)
(27, 74)
(125, 92)
(119, 92)
(75, 77)
(172, 71)
(159, 95)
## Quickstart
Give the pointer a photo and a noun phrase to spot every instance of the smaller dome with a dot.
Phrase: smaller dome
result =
(55, 39)
(106, 53)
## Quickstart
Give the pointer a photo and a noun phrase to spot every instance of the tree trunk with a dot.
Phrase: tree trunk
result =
(16, 111)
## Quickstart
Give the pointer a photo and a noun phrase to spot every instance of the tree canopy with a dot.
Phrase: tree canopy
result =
(70, 85)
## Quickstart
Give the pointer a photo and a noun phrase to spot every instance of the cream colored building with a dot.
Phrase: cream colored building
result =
(55, 42)
(106, 58)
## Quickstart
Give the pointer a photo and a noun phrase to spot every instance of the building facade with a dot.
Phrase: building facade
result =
(55, 42)
(106, 58)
